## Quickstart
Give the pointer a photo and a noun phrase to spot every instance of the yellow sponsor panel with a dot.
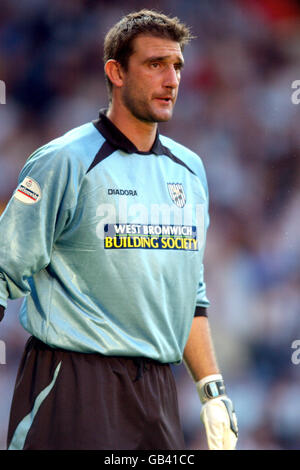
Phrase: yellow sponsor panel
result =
(164, 243)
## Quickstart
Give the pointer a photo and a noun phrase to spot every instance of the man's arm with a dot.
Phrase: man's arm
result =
(36, 213)
(199, 356)
(217, 412)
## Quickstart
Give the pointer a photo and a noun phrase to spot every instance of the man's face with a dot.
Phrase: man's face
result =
(151, 81)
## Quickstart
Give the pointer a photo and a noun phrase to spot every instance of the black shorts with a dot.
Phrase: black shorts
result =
(76, 401)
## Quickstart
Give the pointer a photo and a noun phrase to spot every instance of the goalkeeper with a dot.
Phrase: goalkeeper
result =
(104, 236)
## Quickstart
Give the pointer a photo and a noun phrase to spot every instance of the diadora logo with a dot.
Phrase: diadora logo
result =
(122, 192)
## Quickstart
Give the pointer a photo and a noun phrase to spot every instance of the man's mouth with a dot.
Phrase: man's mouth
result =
(165, 99)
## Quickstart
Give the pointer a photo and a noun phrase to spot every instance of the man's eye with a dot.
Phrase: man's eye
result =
(155, 65)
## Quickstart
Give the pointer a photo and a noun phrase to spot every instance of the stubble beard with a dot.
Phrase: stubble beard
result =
(140, 108)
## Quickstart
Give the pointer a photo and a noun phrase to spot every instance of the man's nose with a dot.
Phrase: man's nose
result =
(172, 77)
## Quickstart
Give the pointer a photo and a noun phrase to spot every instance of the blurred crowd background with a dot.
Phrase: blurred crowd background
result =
(235, 111)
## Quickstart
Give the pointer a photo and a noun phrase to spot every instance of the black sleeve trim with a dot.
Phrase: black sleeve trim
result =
(2, 309)
(200, 312)
(105, 151)
(175, 159)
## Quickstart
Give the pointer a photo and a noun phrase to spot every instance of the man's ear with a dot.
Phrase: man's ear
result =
(114, 72)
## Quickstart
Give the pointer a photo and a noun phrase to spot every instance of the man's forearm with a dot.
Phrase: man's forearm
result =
(199, 355)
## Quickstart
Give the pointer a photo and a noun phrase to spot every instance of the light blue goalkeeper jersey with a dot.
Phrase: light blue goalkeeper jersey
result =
(106, 244)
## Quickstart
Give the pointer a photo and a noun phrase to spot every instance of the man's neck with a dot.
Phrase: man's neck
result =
(141, 134)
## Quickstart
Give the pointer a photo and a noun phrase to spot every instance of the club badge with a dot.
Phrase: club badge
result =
(176, 192)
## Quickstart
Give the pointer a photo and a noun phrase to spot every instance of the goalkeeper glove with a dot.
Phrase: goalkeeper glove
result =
(217, 413)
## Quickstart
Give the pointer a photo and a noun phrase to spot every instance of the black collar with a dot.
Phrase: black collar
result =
(113, 135)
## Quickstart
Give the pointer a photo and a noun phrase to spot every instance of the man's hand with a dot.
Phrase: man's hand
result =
(220, 424)
(217, 414)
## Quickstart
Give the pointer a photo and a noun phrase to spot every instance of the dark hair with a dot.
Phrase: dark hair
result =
(119, 39)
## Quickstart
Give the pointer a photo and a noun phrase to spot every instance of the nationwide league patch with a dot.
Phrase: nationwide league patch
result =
(29, 191)
(176, 192)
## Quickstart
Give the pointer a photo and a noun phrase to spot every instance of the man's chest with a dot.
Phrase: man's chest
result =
(142, 201)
